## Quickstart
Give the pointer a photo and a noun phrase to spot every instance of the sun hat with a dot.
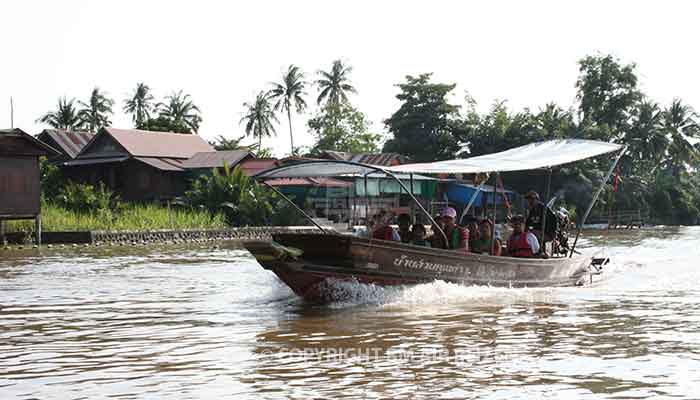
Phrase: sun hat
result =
(448, 212)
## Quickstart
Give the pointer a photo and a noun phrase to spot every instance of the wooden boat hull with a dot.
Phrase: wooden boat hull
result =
(306, 262)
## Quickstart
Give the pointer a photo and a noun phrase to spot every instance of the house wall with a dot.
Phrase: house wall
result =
(131, 179)
(20, 188)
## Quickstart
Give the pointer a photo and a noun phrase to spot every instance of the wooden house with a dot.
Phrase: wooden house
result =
(20, 180)
(139, 165)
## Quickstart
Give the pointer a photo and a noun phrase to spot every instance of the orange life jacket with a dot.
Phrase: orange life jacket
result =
(518, 245)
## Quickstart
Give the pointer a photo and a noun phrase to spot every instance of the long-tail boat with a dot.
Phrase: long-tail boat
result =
(310, 262)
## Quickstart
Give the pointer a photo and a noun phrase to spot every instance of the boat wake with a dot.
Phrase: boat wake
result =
(656, 262)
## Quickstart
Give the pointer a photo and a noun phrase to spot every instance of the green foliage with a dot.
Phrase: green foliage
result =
(239, 198)
(181, 111)
(290, 94)
(164, 124)
(221, 143)
(426, 125)
(86, 198)
(607, 94)
(95, 113)
(259, 118)
(340, 127)
(66, 116)
(140, 105)
(51, 178)
(131, 217)
(335, 84)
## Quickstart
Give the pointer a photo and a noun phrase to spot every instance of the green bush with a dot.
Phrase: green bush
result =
(243, 201)
(86, 198)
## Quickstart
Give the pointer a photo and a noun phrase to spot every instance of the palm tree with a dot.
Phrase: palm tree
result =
(180, 109)
(140, 104)
(290, 93)
(335, 85)
(66, 116)
(647, 139)
(679, 124)
(96, 111)
(259, 117)
(221, 142)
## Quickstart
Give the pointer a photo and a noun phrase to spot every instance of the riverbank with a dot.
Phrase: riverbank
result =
(123, 238)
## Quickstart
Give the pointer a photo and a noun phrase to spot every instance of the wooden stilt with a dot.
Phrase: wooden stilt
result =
(3, 239)
(37, 221)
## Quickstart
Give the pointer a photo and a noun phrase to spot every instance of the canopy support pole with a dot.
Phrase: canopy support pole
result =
(430, 217)
(600, 189)
(543, 248)
(472, 199)
(413, 211)
(366, 205)
(295, 206)
(493, 226)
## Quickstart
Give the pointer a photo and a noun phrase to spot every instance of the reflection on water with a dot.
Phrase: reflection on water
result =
(196, 322)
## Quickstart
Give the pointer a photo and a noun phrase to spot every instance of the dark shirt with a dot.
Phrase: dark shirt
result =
(534, 219)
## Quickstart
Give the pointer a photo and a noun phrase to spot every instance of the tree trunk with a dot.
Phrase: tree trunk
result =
(291, 137)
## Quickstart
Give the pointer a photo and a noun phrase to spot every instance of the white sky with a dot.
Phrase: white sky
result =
(223, 52)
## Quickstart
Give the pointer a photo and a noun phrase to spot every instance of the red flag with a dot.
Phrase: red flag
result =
(616, 181)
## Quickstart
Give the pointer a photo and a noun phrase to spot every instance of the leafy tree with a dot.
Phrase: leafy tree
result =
(140, 105)
(97, 110)
(164, 124)
(426, 125)
(607, 92)
(66, 116)
(335, 85)
(181, 110)
(289, 93)
(222, 143)
(340, 127)
(259, 118)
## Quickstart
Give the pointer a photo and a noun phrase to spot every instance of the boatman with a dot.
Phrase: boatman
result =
(535, 215)
(457, 237)
(522, 243)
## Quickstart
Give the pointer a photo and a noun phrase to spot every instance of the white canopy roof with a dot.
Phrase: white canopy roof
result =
(531, 156)
(312, 169)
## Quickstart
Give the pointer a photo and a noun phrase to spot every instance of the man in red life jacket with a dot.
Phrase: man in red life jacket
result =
(382, 230)
(522, 243)
(457, 237)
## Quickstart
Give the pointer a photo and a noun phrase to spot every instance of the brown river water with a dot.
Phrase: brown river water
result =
(197, 322)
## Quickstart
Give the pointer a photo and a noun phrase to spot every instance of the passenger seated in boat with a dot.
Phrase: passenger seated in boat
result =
(382, 230)
(472, 225)
(457, 237)
(404, 222)
(418, 235)
(484, 242)
(522, 243)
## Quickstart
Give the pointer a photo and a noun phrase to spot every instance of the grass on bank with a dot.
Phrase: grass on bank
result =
(132, 217)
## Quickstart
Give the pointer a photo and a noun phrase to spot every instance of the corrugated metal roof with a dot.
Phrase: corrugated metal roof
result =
(22, 135)
(214, 159)
(255, 165)
(162, 163)
(382, 159)
(68, 142)
(90, 161)
(157, 144)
